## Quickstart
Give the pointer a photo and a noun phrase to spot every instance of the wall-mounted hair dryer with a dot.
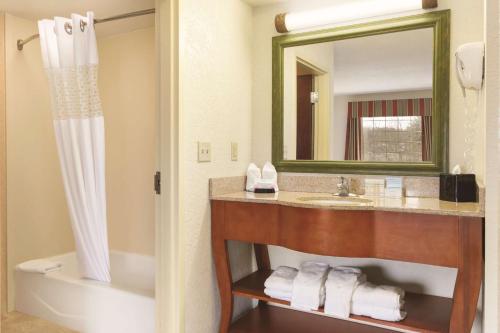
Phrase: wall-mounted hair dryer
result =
(470, 65)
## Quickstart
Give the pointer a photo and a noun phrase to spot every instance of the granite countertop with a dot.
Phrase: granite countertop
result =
(421, 205)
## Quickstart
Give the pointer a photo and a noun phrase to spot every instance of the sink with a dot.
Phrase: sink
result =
(337, 201)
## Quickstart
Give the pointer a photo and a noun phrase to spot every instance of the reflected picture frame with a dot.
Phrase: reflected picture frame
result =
(439, 21)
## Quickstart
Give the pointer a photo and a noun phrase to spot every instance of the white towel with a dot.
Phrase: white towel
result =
(308, 286)
(265, 184)
(287, 296)
(41, 266)
(269, 177)
(377, 312)
(340, 286)
(253, 175)
(279, 294)
(282, 279)
(381, 296)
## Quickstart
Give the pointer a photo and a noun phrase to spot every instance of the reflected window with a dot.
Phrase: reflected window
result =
(392, 139)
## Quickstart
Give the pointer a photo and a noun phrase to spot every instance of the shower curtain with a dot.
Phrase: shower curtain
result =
(69, 53)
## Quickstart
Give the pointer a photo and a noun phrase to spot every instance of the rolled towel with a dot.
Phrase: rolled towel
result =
(380, 296)
(41, 266)
(377, 312)
(340, 286)
(282, 279)
(308, 286)
(253, 176)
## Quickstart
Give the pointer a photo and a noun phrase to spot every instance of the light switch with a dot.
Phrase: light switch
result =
(204, 152)
(234, 151)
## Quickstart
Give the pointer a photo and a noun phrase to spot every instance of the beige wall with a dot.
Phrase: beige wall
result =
(3, 174)
(127, 88)
(215, 106)
(37, 217)
(466, 26)
(38, 221)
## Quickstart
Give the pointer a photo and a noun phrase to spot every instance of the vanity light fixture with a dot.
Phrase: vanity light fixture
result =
(286, 22)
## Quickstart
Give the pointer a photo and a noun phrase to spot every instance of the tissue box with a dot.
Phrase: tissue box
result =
(458, 188)
(394, 187)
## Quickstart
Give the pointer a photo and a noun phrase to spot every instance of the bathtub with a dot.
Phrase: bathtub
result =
(127, 305)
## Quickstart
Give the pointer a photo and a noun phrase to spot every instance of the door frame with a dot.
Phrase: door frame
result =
(169, 263)
(321, 82)
(3, 170)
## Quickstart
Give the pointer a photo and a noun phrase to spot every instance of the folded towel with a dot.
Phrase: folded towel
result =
(269, 176)
(265, 184)
(253, 175)
(41, 266)
(377, 312)
(380, 296)
(308, 286)
(278, 294)
(340, 286)
(287, 296)
(282, 279)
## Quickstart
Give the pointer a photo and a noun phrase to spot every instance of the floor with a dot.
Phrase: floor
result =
(16, 322)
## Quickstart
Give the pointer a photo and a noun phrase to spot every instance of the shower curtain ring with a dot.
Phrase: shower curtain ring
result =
(83, 24)
(68, 28)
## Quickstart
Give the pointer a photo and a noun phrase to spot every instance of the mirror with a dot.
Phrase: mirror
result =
(367, 98)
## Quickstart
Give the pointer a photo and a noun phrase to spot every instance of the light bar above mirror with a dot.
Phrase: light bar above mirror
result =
(287, 22)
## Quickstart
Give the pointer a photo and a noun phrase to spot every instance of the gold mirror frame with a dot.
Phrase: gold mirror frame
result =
(439, 21)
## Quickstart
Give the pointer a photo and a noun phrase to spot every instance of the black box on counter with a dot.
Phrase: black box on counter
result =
(458, 188)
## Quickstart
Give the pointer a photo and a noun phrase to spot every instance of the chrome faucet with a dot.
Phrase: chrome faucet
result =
(343, 187)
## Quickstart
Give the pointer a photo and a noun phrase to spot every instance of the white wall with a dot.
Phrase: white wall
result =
(466, 26)
(492, 130)
(215, 106)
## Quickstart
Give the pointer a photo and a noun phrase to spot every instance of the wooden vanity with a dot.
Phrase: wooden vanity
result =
(445, 235)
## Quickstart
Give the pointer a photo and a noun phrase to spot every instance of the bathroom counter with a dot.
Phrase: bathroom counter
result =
(416, 230)
(407, 205)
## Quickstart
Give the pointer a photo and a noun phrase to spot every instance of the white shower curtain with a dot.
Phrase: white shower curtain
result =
(69, 52)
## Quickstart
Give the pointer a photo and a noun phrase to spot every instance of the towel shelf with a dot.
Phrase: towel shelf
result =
(271, 319)
(449, 241)
(430, 314)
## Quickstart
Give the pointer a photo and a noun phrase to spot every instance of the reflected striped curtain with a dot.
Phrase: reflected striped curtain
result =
(427, 131)
(387, 108)
(353, 135)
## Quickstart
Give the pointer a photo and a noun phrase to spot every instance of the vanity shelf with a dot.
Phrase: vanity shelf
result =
(449, 239)
(430, 314)
(271, 319)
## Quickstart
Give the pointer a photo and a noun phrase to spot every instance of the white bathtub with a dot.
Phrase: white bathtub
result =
(126, 305)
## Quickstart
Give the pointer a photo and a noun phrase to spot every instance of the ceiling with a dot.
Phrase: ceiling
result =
(401, 61)
(38, 9)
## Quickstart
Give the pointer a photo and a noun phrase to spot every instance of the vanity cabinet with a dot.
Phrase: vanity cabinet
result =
(444, 240)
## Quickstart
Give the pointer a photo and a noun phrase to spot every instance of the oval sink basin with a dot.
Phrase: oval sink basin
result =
(337, 201)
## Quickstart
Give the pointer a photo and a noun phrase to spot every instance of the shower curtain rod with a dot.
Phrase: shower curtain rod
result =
(22, 42)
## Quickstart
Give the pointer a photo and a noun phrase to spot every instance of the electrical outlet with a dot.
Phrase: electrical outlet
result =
(234, 151)
(204, 152)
